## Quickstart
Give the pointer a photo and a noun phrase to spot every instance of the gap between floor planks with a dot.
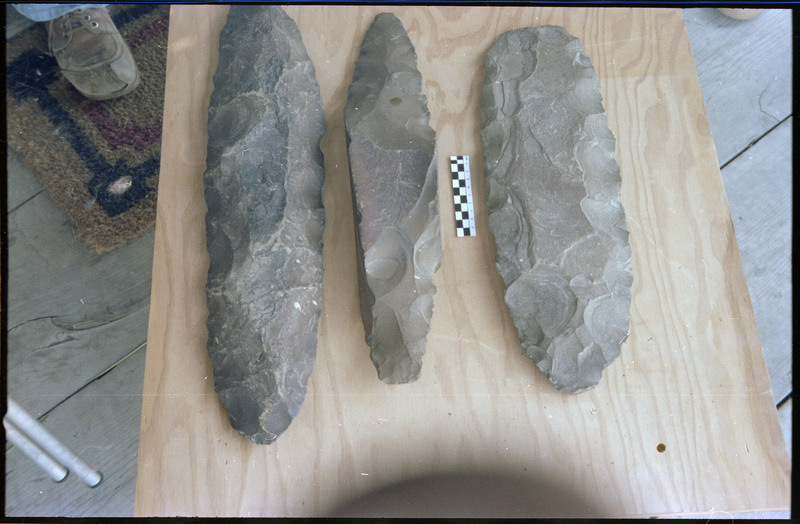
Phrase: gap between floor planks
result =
(100, 425)
(745, 71)
(84, 384)
(71, 313)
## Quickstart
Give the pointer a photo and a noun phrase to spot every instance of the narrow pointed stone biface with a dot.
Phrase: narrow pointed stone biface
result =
(554, 204)
(265, 220)
(390, 146)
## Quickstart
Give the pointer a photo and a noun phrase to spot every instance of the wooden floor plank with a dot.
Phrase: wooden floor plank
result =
(745, 69)
(20, 186)
(100, 425)
(53, 273)
(71, 312)
(47, 364)
(759, 189)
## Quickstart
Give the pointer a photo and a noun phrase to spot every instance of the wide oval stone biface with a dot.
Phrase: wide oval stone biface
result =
(554, 205)
(390, 147)
(265, 220)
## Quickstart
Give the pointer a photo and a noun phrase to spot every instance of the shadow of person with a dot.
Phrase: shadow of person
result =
(473, 494)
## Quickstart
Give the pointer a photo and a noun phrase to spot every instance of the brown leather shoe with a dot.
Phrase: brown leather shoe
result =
(92, 54)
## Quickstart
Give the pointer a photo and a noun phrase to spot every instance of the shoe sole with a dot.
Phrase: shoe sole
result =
(119, 93)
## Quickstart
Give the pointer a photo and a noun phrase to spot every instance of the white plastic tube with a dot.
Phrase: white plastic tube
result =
(50, 445)
(42, 459)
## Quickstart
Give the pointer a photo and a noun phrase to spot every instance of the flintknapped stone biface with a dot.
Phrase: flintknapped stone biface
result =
(393, 175)
(554, 204)
(265, 220)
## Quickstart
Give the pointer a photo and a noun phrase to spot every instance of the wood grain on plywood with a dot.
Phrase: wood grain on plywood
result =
(691, 374)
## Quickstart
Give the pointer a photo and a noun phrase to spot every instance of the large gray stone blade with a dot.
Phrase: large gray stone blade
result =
(393, 175)
(554, 206)
(265, 220)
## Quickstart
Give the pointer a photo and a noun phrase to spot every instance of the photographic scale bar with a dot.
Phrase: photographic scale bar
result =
(462, 196)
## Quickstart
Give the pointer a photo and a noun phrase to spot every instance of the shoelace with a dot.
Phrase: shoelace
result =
(74, 21)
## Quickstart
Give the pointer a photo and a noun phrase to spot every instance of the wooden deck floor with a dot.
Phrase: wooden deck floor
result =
(77, 321)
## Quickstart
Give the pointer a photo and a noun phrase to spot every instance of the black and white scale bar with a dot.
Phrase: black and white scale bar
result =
(462, 196)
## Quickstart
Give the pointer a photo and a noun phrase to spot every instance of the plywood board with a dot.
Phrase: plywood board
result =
(691, 374)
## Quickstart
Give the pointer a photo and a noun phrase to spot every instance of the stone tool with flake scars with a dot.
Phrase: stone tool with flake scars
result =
(553, 198)
(390, 147)
(265, 221)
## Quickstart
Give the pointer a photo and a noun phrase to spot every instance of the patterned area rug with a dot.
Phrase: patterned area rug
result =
(98, 161)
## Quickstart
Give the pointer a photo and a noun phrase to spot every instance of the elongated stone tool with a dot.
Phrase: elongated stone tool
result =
(554, 204)
(390, 146)
(265, 220)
